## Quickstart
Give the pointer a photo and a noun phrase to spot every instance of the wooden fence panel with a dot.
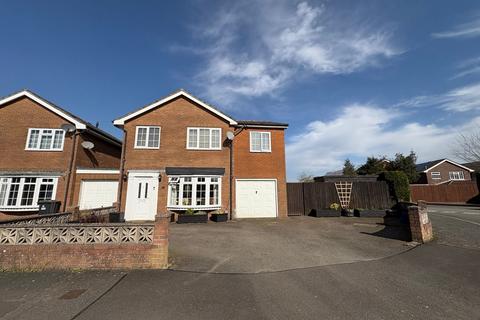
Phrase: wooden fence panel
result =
(455, 192)
(295, 199)
(303, 198)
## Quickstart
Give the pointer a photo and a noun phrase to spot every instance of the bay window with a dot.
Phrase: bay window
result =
(23, 193)
(194, 192)
(45, 139)
(204, 138)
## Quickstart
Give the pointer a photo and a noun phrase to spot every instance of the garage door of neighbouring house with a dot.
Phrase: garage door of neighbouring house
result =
(256, 198)
(98, 193)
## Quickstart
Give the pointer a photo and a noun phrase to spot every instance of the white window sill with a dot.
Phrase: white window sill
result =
(45, 150)
(29, 208)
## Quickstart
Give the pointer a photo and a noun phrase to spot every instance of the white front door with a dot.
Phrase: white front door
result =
(142, 195)
(256, 198)
(98, 193)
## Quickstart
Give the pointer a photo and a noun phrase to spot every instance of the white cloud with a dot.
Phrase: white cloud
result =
(468, 67)
(461, 99)
(255, 57)
(465, 30)
(362, 131)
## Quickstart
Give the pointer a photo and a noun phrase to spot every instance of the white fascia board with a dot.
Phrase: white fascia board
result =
(121, 121)
(78, 125)
(452, 162)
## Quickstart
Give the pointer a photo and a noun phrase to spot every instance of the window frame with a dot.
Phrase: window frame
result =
(438, 175)
(37, 148)
(210, 130)
(461, 175)
(136, 146)
(193, 191)
(36, 192)
(262, 133)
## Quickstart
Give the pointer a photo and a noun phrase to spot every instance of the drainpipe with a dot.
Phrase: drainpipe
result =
(122, 168)
(70, 168)
(235, 133)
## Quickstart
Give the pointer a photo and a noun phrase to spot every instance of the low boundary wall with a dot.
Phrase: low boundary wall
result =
(85, 246)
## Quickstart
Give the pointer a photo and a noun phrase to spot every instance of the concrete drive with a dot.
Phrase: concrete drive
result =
(439, 280)
(253, 246)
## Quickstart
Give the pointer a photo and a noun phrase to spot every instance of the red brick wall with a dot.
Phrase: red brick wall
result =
(103, 155)
(174, 118)
(268, 165)
(89, 256)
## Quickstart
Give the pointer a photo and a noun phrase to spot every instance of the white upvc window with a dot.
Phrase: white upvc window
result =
(260, 141)
(23, 193)
(40, 139)
(147, 137)
(204, 138)
(456, 175)
(195, 192)
(436, 175)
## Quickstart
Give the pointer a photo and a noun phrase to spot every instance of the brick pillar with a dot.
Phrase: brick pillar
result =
(420, 224)
(160, 229)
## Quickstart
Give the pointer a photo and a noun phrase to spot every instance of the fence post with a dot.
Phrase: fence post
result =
(420, 224)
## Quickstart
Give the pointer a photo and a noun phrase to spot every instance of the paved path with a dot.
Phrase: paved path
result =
(434, 281)
(253, 246)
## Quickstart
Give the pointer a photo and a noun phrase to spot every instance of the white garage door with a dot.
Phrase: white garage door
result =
(98, 193)
(256, 198)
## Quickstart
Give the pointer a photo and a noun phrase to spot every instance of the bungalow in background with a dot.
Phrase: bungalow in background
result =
(51, 154)
(442, 171)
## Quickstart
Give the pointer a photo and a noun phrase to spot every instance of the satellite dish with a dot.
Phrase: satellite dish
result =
(230, 135)
(67, 127)
(88, 145)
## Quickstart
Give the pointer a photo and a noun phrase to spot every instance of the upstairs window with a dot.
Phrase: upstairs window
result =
(436, 176)
(260, 141)
(456, 175)
(147, 137)
(45, 139)
(204, 138)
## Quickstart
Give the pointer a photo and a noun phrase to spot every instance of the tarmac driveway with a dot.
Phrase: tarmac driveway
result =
(268, 245)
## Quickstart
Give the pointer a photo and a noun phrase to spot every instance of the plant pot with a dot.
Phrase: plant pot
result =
(369, 213)
(219, 217)
(192, 218)
(347, 213)
(324, 213)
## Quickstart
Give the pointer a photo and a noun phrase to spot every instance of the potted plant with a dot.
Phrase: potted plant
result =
(219, 216)
(332, 211)
(369, 213)
(192, 216)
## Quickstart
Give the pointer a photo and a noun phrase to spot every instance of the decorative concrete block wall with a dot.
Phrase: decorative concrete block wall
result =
(85, 246)
(420, 224)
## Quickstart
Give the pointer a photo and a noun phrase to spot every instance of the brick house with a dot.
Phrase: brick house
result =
(180, 153)
(51, 154)
(442, 171)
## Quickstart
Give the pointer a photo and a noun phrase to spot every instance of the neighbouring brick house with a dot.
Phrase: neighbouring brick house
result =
(179, 153)
(48, 153)
(442, 171)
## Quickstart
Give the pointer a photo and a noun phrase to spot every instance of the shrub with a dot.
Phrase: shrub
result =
(334, 206)
(398, 184)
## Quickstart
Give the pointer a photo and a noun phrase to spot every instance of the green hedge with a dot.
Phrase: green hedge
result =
(398, 184)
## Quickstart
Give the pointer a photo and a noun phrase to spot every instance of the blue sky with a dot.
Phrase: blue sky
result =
(352, 79)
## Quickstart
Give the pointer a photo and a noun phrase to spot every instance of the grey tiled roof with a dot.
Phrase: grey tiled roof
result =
(262, 123)
(425, 165)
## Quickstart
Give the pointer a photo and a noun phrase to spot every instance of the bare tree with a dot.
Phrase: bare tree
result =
(305, 177)
(468, 146)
